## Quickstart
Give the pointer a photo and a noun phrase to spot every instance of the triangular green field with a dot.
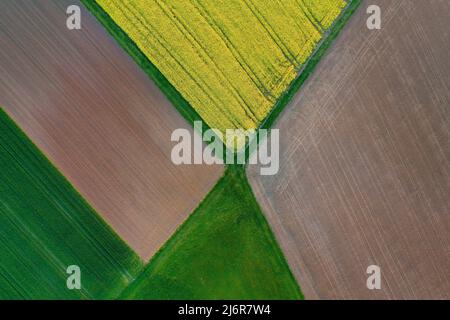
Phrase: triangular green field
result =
(225, 250)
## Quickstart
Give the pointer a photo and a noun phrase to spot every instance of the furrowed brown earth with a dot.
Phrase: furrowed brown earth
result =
(99, 119)
(365, 161)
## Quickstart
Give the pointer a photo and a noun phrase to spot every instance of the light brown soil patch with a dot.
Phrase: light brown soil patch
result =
(99, 119)
(365, 161)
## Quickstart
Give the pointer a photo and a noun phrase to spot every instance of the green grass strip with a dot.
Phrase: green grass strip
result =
(45, 226)
(181, 104)
(312, 63)
(225, 250)
(178, 101)
(309, 67)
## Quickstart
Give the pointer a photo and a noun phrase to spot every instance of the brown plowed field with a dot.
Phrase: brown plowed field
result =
(99, 119)
(365, 160)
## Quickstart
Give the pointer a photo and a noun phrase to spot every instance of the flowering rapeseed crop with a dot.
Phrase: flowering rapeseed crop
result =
(230, 59)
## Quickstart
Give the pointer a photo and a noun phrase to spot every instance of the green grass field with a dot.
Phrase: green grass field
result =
(46, 226)
(225, 250)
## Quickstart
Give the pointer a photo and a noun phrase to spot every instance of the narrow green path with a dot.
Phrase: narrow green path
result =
(310, 66)
(225, 250)
(46, 226)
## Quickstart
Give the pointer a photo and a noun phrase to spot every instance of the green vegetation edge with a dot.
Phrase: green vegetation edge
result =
(309, 68)
(181, 104)
(171, 93)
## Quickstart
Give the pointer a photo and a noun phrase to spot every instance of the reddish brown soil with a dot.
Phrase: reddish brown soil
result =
(99, 119)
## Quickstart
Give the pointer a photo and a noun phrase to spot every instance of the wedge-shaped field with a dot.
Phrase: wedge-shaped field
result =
(225, 250)
(45, 226)
(231, 60)
(365, 161)
(99, 118)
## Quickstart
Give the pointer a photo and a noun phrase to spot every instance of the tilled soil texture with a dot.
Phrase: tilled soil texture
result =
(99, 119)
(365, 161)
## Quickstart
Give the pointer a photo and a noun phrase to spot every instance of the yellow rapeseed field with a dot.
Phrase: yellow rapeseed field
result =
(230, 59)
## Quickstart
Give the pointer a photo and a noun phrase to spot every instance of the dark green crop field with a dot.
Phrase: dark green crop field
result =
(225, 250)
(45, 226)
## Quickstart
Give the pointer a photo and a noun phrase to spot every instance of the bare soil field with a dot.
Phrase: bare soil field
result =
(365, 161)
(99, 119)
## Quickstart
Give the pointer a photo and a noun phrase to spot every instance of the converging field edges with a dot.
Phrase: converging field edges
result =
(230, 60)
(189, 149)
(224, 250)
